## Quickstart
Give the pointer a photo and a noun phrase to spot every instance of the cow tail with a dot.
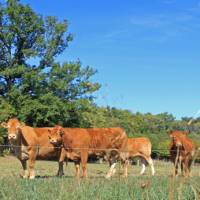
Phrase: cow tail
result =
(66, 161)
(149, 148)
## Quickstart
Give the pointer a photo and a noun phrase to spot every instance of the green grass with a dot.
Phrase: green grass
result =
(46, 186)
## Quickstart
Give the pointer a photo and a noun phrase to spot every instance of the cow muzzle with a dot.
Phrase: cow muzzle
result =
(53, 141)
(178, 144)
(12, 136)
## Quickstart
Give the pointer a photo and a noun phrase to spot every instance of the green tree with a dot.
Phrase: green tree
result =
(33, 85)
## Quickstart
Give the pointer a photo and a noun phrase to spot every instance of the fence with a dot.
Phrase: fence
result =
(162, 186)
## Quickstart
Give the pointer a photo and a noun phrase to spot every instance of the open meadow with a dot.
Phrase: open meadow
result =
(48, 186)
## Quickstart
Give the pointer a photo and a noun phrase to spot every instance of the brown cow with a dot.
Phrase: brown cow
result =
(80, 142)
(31, 143)
(141, 148)
(182, 150)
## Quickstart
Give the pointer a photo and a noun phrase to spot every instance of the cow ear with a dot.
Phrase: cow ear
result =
(4, 125)
(22, 124)
(186, 132)
(169, 133)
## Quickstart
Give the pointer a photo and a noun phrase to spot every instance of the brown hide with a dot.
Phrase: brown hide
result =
(182, 150)
(31, 143)
(139, 147)
(95, 139)
(80, 142)
(46, 149)
(37, 138)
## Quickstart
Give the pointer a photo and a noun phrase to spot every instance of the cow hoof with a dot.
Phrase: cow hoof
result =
(32, 177)
(60, 174)
(23, 176)
(108, 177)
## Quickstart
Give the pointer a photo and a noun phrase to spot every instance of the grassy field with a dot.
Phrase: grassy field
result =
(46, 186)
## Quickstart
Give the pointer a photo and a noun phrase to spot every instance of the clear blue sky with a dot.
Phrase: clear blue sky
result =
(147, 53)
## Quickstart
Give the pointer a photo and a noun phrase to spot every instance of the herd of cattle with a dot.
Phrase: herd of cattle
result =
(76, 144)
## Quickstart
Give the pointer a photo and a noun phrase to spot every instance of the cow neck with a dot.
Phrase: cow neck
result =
(17, 145)
(62, 142)
(18, 142)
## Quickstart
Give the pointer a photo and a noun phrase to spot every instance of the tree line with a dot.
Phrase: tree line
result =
(41, 91)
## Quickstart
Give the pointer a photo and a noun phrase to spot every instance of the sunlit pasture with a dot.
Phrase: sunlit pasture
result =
(48, 186)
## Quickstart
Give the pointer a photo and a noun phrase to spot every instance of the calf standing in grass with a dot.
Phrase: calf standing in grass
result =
(182, 150)
(79, 143)
(141, 148)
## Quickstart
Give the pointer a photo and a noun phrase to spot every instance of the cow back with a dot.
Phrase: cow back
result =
(108, 138)
(139, 146)
(95, 138)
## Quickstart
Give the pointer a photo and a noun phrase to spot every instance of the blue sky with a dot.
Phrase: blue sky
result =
(147, 52)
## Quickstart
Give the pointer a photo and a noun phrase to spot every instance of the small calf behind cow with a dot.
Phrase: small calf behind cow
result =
(139, 148)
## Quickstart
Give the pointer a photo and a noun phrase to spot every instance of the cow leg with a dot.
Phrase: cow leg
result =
(111, 170)
(25, 170)
(187, 171)
(176, 168)
(150, 162)
(32, 158)
(125, 166)
(143, 167)
(182, 168)
(60, 162)
(112, 159)
(184, 173)
(189, 165)
(84, 159)
(77, 166)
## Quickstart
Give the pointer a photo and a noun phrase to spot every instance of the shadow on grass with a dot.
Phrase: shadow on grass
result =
(53, 176)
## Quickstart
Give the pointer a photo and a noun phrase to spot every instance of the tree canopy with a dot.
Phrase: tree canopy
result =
(34, 86)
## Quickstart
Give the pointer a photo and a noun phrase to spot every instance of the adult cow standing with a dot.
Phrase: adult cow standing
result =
(79, 143)
(31, 143)
(182, 150)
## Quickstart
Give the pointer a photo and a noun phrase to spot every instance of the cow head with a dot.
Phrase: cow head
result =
(13, 126)
(178, 137)
(55, 135)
